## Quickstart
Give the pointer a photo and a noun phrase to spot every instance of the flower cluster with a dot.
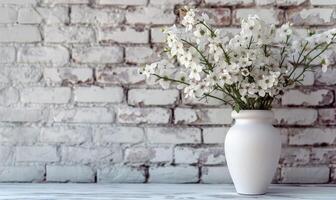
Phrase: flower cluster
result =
(249, 70)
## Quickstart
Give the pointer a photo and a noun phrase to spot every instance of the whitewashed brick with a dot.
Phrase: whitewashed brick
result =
(152, 154)
(7, 54)
(36, 154)
(55, 2)
(215, 135)
(7, 15)
(157, 36)
(68, 75)
(123, 75)
(272, 16)
(26, 114)
(55, 55)
(69, 135)
(81, 174)
(94, 155)
(83, 115)
(122, 2)
(308, 76)
(150, 15)
(322, 2)
(173, 2)
(8, 96)
(124, 35)
(140, 55)
(98, 94)
(313, 16)
(218, 16)
(152, 97)
(229, 2)
(18, 2)
(22, 173)
(265, 2)
(98, 55)
(203, 116)
(162, 154)
(295, 116)
(323, 155)
(295, 156)
(45, 95)
(54, 15)
(327, 116)
(326, 78)
(106, 135)
(29, 16)
(216, 175)
(143, 115)
(208, 156)
(312, 136)
(305, 174)
(18, 135)
(290, 2)
(204, 101)
(87, 15)
(7, 155)
(68, 34)
(121, 174)
(173, 174)
(24, 74)
(308, 98)
(20, 33)
(173, 135)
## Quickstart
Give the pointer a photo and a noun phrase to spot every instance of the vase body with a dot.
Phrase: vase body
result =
(252, 150)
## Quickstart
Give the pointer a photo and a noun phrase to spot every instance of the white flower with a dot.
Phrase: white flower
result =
(195, 71)
(189, 19)
(325, 64)
(148, 70)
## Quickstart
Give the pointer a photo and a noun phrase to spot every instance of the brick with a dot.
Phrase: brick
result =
(308, 76)
(308, 98)
(99, 95)
(46, 95)
(152, 97)
(305, 174)
(229, 2)
(94, 155)
(295, 116)
(68, 34)
(173, 174)
(68, 75)
(98, 55)
(55, 55)
(6, 155)
(87, 15)
(150, 15)
(157, 36)
(203, 116)
(323, 155)
(290, 2)
(69, 135)
(7, 54)
(217, 175)
(215, 135)
(121, 174)
(20, 33)
(24, 74)
(173, 2)
(165, 135)
(123, 75)
(18, 2)
(295, 156)
(140, 55)
(326, 78)
(205, 101)
(83, 115)
(8, 96)
(26, 114)
(29, 16)
(7, 15)
(272, 16)
(22, 173)
(54, 15)
(81, 174)
(327, 116)
(312, 16)
(152, 154)
(122, 2)
(106, 135)
(207, 156)
(143, 115)
(322, 3)
(312, 136)
(36, 154)
(124, 35)
(265, 2)
(218, 16)
(10, 135)
(55, 2)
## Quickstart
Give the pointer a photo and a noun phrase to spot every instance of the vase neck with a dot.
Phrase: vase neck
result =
(253, 116)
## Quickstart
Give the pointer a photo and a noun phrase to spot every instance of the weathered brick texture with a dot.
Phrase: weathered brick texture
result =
(73, 107)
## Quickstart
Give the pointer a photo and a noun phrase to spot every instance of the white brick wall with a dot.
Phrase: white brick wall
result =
(73, 107)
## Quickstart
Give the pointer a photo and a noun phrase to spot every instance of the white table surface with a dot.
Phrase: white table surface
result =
(157, 192)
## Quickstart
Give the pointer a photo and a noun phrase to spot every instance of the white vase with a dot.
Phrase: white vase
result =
(252, 150)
